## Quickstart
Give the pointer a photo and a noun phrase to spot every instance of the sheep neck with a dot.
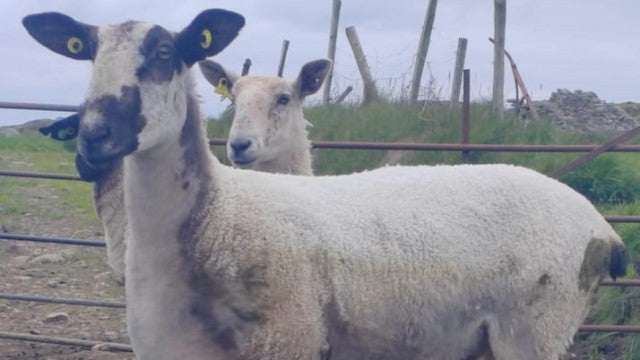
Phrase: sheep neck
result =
(166, 191)
(297, 162)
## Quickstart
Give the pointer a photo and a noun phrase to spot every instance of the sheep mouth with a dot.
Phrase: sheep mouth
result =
(94, 170)
(243, 163)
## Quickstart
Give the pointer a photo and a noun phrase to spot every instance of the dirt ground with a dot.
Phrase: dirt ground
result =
(56, 271)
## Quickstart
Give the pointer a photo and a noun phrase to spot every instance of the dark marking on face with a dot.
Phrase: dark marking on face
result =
(185, 185)
(116, 134)
(595, 263)
(160, 59)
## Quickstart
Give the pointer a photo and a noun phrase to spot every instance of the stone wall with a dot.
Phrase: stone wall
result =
(583, 111)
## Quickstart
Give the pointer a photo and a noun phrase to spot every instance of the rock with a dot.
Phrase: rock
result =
(47, 259)
(56, 317)
(34, 332)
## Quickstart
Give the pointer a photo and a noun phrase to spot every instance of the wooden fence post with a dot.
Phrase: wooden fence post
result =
(500, 19)
(423, 48)
(283, 57)
(331, 52)
(466, 110)
(370, 91)
(245, 67)
(457, 72)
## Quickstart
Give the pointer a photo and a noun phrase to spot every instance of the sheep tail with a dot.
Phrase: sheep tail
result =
(618, 259)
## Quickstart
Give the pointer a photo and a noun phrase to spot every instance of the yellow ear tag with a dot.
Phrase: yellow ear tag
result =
(206, 39)
(222, 88)
(74, 45)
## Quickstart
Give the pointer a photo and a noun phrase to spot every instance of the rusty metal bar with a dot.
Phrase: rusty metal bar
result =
(82, 302)
(622, 218)
(35, 106)
(104, 346)
(29, 174)
(362, 145)
(520, 83)
(596, 152)
(610, 328)
(54, 240)
(621, 282)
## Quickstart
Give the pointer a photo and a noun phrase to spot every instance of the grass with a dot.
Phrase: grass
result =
(33, 152)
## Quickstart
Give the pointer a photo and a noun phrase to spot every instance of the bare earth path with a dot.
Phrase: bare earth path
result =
(54, 271)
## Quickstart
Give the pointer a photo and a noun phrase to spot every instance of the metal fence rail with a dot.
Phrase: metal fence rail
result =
(82, 302)
(104, 346)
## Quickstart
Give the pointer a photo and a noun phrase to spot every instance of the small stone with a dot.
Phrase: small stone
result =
(22, 278)
(21, 260)
(110, 335)
(104, 275)
(47, 259)
(100, 347)
(34, 332)
(56, 317)
(15, 249)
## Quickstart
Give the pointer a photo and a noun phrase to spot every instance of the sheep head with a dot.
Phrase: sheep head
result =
(136, 96)
(267, 111)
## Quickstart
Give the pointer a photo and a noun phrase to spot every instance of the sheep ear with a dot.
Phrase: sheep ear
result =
(221, 78)
(62, 130)
(62, 34)
(312, 76)
(208, 34)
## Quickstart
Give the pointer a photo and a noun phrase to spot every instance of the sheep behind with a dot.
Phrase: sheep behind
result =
(269, 131)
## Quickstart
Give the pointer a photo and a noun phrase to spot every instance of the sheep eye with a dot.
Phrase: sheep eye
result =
(164, 52)
(283, 99)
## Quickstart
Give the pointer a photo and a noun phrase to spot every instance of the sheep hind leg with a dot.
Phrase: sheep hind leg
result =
(483, 352)
(511, 342)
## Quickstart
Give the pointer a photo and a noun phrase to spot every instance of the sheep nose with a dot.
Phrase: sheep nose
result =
(240, 145)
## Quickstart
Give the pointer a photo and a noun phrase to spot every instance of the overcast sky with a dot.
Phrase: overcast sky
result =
(575, 44)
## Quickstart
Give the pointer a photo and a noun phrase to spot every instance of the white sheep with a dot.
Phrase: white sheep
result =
(276, 129)
(269, 131)
(444, 262)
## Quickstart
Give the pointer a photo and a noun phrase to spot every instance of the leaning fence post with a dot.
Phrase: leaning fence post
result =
(331, 52)
(500, 19)
(457, 72)
(423, 48)
(370, 91)
(283, 57)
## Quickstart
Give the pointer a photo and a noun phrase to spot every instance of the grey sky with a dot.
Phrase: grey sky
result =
(575, 44)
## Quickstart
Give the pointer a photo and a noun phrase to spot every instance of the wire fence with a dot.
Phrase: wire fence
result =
(107, 346)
